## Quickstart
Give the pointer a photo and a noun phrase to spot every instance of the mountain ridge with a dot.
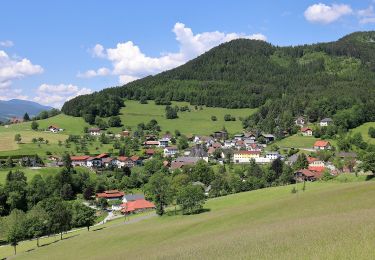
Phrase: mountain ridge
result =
(317, 80)
(18, 107)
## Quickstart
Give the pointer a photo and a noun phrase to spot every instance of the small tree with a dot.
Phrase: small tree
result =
(34, 125)
(15, 228)
(26, 117)
(17, 138)
(37, 220)
(191, 199)
(301, 162)
(83, 216)
(213, 118)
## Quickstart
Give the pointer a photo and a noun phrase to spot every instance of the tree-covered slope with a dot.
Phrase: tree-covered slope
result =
(317, 80)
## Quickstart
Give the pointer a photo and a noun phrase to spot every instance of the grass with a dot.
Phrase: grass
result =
(271, 223)
(363, 129)
(194, 122)
(296, 141)
(44, 172)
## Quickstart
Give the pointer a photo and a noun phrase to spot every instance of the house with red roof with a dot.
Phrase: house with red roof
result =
(150, 152)
(322, 145)
(80, 160)
(304, 175)
(54, 129)
(306, 131)
(137, 206)
(94, 131)
(111, 195)
(124, 161)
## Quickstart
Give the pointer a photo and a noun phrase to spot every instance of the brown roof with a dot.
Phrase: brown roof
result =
(79, 158)
(321, 143)
(110, 194)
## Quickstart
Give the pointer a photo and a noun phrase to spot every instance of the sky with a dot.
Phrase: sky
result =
(52, 51)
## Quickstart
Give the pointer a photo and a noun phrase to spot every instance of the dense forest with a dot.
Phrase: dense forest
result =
(334, 79)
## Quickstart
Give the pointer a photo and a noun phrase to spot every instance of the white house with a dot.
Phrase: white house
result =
(245, 156)
(79, 160)
(54, 129)
(94, 131)
(164, 142)
(272, 155)
(170, 151)
(306, 131)
(326, 122)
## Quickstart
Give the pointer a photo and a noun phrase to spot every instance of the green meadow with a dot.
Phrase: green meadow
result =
(363, 129)
(194, 122)
(44, 172)
(271, 223)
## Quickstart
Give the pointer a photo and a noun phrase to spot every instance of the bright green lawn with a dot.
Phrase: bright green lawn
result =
(296, 141)
(194, 122)
(327, 221)
(363, 129)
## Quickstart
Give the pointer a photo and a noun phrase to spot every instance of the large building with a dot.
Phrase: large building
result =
(245, 156)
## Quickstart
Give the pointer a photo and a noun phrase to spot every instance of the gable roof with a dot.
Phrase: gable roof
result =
(321, 143)
(327, 119)
(108, 194)
(305, 129)
(79, 158)
(136, 205)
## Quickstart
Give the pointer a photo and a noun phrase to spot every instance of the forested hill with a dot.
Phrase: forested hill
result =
(318, 80)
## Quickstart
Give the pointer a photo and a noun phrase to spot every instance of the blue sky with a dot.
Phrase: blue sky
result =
(51, 51)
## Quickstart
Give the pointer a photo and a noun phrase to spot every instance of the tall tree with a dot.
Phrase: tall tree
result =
(15, 228)
(83, 216)
(159, 189)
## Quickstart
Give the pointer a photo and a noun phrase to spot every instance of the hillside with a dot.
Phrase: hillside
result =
(319, 80)
(17, 108)
(271, 223)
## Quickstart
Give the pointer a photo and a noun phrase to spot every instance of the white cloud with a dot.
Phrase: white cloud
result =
(94, 73)
(130, 63)
(6, 43)
(11, 69)
(325, 14)
(366, 15)
(56, 95)
(367, 20)
(98, 51)
(11, 94)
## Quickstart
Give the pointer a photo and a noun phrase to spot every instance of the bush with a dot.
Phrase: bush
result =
(213, 118)
(371, 132)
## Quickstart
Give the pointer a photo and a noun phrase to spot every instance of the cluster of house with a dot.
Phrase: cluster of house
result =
(241, 149)
(129, 203)
(104, 160)
(307, 131)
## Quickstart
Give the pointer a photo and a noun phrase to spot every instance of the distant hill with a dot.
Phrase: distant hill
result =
(318, 80)
(17, 108)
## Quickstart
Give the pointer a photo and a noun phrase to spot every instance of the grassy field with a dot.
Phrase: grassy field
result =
(363, 129)
(264, 224)
(296, 141)
(44, 172)
(194, 122)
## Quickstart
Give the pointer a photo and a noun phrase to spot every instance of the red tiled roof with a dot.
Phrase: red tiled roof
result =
(305, 129)
(134, 158)
(177, 165)
(317, 168)
(321, 143)
(152, 143)
(150, 151)
(307, 173)
(79, 158)
(122, 158)
(53, 126)
(110, 194)
(211, 150)
(102, 155)
(107, 160)
(216, 145)
(136, 205)
(311, 159)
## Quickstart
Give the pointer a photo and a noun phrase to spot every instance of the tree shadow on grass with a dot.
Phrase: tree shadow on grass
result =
(98, 229)
(179, 212)
(369, 177)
